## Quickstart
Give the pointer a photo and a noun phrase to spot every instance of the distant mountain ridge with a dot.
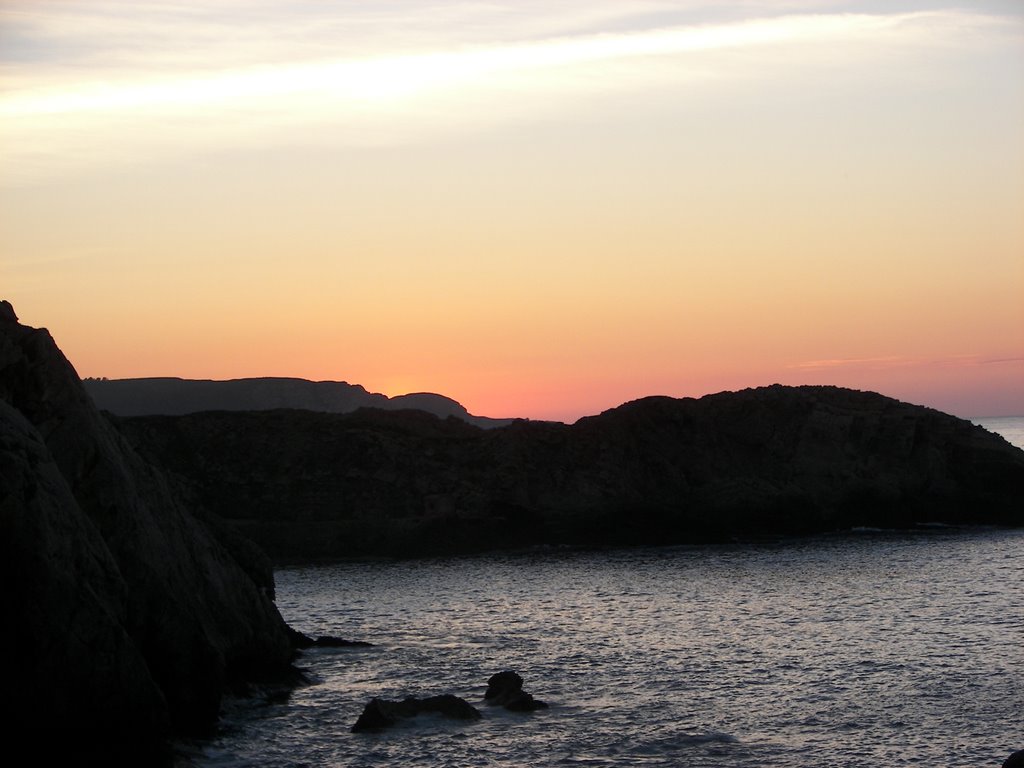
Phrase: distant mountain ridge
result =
(172, 396)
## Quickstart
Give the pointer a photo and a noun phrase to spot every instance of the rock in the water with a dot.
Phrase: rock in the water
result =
(301, 641)
(506, 689)
(380, 713)
(1016, 760)
(327, 641)
(377, 714)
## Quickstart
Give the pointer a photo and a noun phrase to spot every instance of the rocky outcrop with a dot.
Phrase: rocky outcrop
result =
(505, 689)
(70, 658)
(301, 641)
(174, 396)
(769, 461)
(132, 613)
(380, 713)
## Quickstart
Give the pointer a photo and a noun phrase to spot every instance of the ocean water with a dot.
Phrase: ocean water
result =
(1010, 427)
(862, 649)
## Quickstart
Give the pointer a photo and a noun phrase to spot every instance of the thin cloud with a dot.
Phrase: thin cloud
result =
(74, 122)
(397, 76)
(971, 361)
(855, 362)
(896, 361)
(1001, 360)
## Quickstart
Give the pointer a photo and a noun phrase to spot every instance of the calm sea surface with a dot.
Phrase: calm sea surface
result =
(866, 649)
(1010, 427)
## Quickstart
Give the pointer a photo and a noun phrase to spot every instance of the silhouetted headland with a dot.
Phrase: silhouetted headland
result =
(770, 461)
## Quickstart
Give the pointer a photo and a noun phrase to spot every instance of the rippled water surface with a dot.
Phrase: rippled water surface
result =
(864, 650)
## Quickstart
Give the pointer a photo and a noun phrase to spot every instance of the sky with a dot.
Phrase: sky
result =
(540, 209)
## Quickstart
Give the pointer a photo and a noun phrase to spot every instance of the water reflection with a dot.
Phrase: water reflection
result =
(871, 650)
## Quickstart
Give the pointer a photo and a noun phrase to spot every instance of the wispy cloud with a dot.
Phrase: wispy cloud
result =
(1000, 360)
(855, 362)
(897, 361)
(113, 112)
(390, 77)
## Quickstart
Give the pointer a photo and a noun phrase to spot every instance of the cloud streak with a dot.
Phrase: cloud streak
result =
(79, 120)
(855, 362)
(394, 77)
(897, 361)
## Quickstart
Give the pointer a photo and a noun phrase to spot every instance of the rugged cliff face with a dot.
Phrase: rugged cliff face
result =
(775, 460)
(132, 614)
(72, 665)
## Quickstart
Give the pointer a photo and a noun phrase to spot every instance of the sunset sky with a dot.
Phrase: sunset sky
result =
(541, 209)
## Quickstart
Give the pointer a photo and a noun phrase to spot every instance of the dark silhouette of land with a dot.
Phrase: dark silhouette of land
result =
(173, 396)
(760, 462)
(127, 615)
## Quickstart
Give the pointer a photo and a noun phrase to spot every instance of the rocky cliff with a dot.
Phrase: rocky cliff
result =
(130, 613)
(774, 460)
(173, 397)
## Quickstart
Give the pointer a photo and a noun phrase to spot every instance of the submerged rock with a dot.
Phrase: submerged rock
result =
(381, 713)
(301, 641)
(506, 689)
(327, 641)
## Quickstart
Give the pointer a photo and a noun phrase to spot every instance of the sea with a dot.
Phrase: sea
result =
(863, 648)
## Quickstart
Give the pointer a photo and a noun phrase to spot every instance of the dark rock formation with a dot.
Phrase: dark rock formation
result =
(301, 641)
(132, 613)
(770, 461)
(380, 713)
(174, 397)
(505, 689)
(72, 664)
(1016, 760)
